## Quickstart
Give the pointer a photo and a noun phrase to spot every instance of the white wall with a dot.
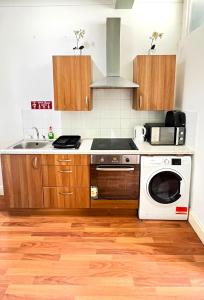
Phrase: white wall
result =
(196, 14)
(190, 98)
(31, 35)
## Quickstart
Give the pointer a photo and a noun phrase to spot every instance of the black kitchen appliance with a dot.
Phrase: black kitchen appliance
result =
(172, 132)
(67, 142)
(175, 118)
(159, 134)
(113, 144)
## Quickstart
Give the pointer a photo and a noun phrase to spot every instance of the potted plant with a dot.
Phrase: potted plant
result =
(79, 34)
(154, 37)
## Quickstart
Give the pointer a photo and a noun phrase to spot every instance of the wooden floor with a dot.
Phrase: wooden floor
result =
(99, 258)
(2, 203)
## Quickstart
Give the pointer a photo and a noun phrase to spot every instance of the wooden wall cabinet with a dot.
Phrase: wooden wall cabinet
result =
(155, 75)
(72, 79)
(22, 176)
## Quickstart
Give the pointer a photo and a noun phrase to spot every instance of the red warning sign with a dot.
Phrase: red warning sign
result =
(182, 210)
(41, 104)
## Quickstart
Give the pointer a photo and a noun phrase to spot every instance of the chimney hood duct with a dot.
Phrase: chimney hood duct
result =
(113, 79)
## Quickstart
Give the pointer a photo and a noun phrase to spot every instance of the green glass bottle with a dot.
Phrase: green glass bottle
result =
(50, 133)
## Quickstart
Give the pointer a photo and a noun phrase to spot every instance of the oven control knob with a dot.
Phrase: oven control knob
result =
(166, 161)
(127, 159)
(115, 159)
(101, 159)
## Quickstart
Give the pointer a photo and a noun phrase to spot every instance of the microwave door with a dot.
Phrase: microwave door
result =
(163, 136)
(167, 136)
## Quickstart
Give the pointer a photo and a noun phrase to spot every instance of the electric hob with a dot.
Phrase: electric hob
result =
(113, 144)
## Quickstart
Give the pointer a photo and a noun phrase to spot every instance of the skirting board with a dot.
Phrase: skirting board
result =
(1, 190)
(197, 226)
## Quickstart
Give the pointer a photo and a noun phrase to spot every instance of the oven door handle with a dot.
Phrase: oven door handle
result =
(114, 169)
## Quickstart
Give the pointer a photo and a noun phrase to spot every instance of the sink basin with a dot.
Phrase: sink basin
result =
(31, 145)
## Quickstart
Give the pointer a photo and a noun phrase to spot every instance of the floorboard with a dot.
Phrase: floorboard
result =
(3, 205)
(99, 258)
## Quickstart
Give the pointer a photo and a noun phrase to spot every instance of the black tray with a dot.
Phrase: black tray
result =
(67, 142)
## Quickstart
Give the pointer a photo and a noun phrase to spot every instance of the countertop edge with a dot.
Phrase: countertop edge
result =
(85, 148)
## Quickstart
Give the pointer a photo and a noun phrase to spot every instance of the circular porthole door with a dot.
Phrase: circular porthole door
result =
(164, 187)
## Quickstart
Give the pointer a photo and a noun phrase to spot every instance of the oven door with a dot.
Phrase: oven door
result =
(116, 182)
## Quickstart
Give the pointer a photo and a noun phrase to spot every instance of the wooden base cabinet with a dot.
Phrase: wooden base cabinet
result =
(155, 75)
(66, 181)
(22, 177)
(46, 181)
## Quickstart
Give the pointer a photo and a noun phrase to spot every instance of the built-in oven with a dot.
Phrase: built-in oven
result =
(115, 177)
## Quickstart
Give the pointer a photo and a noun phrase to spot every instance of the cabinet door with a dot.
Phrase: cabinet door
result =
(155, 75)
(65, 176)
(66, 197)
(72, 79)
(58, 175)
(22, 178)
(65, 160)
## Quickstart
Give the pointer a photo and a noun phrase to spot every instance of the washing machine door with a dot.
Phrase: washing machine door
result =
(164, 187)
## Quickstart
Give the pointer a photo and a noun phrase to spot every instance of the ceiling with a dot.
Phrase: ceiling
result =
(55, 2)
(110, 3)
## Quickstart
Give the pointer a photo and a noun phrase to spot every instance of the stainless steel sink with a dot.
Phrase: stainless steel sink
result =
(30, 145)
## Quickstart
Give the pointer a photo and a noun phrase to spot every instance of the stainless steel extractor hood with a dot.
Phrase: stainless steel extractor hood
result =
(113, 79)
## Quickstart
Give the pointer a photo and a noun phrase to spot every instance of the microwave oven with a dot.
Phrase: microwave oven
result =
(159, 134)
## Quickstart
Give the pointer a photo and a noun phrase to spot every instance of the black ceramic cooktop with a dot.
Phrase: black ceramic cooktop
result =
(113, 144)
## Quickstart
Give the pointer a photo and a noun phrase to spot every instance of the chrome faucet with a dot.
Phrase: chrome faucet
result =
(37, 132)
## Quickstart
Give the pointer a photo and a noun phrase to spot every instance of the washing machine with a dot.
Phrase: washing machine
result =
(164, 187)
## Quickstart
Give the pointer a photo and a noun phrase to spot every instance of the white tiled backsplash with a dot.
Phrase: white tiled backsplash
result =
(112, 116)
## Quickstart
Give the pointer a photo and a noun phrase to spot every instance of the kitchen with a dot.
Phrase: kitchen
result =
(113, 233)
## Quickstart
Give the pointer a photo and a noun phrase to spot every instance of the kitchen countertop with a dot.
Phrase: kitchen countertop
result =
(85, 148)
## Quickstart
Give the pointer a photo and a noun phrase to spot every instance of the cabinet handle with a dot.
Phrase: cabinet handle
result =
(35, 162)
(140, 101)
(65, 194)
(86, 99)
(64, 160)
(65, 171)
